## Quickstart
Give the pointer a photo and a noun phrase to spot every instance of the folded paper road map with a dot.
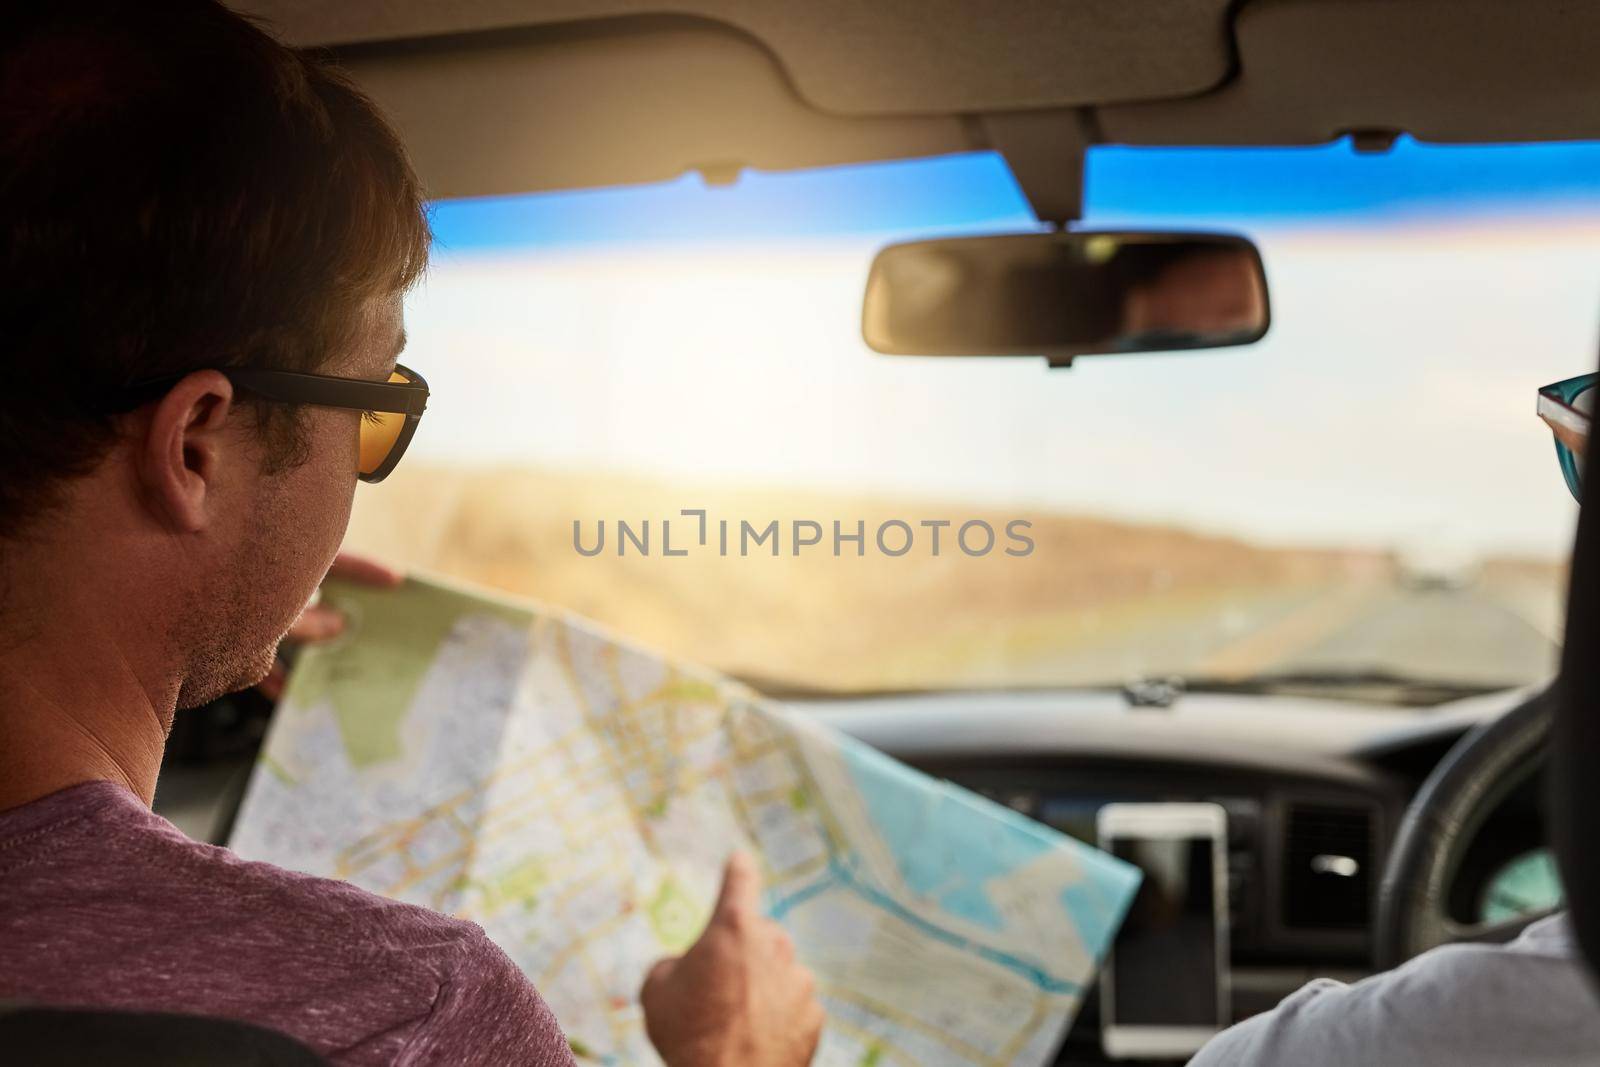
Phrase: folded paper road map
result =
(577, 797)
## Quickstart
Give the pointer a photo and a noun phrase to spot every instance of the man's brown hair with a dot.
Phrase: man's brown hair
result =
(178, 190)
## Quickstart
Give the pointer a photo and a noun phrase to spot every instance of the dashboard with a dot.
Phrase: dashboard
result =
(1314, 791)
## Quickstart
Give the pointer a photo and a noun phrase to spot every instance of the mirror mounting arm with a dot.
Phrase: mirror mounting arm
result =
(1044, 150)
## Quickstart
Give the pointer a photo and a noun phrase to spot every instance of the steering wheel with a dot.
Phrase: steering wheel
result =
(1481, 770)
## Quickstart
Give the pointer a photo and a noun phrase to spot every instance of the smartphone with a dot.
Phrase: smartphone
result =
(1164, 988)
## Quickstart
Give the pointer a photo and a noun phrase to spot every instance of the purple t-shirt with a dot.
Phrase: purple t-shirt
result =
(105, 904)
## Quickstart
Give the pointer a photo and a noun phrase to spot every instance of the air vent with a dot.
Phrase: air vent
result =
(1327, 868)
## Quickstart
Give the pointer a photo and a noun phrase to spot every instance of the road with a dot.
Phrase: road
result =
(1465, 635)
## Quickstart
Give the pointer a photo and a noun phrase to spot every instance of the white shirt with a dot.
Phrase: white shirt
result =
(1529, 1003)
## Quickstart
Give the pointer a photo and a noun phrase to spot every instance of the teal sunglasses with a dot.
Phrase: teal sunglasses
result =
(1566, 406)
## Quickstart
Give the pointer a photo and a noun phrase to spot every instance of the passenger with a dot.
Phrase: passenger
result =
(1463, 1005)
(188, 209)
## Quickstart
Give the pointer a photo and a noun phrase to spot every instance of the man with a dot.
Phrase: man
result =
(1463, 1005)
(205, 242)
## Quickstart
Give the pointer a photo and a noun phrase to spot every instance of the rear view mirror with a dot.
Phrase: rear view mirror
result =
(1062, 295)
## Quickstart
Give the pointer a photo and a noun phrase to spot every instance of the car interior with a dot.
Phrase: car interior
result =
(1393, 772)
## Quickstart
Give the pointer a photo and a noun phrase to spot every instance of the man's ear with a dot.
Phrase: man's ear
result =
(183, 448)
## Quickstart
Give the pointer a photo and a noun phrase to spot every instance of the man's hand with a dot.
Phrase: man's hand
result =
(737, 998)
(322, 623)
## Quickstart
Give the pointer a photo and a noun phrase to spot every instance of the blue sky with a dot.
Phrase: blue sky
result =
(1284, 186)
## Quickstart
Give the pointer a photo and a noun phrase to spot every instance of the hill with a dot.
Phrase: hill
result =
(1088, 603)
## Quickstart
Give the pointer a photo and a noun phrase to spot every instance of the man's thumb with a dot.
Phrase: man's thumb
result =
(659, 973)
(741, 888)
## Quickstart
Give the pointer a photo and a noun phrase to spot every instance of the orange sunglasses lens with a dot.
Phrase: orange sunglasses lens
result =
(379, 432)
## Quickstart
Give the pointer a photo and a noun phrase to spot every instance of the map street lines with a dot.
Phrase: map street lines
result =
(577, 797)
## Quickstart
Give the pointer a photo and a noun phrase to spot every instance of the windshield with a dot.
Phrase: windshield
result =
(652, 406)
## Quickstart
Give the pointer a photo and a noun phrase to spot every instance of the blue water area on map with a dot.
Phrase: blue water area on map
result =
(948, 844)
(1098, 906)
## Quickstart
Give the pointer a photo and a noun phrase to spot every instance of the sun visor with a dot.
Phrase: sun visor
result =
(846, 57)
(1452, 71)
(529, 111)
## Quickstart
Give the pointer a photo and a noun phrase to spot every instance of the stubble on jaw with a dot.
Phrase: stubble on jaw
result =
(228, 641)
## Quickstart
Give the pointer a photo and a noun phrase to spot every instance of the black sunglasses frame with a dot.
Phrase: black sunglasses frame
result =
(408, 398)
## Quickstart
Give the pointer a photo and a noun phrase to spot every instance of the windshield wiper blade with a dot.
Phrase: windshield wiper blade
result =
(1396, 687)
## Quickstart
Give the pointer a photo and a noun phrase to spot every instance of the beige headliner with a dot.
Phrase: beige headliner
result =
(509, 95)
